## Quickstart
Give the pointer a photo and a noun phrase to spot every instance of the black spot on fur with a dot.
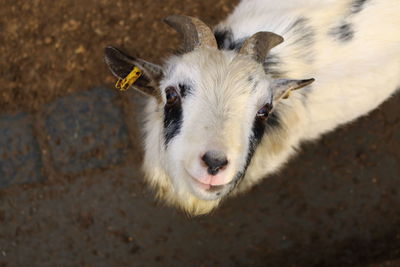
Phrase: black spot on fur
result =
(236, 45)
(273, 121)
(225, 40)
(357, 6)
(273, 66)
(304, 32)
(259, 128)
(344, 32)
(185, 90)
(172, 122)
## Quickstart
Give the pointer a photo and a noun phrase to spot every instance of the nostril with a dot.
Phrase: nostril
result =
(215, 161)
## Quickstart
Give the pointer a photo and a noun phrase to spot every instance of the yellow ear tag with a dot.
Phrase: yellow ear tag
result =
(124, 84)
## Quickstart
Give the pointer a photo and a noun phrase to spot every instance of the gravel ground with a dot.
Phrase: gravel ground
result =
(335, 204)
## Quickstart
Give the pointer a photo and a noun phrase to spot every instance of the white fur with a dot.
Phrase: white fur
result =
(352, 78)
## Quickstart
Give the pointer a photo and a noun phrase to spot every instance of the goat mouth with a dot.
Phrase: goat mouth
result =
(208, 191)
(208, 187)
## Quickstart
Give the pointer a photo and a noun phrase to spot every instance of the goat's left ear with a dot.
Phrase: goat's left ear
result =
(281, 88)
(121, 64)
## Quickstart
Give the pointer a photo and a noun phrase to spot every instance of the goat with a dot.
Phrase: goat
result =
(229, 110)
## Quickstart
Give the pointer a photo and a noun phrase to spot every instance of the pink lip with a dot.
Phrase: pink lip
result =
(197, 183)
(201, 185)
(206, 187)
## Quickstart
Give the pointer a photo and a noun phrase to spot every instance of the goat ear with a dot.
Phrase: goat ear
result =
(281, 88)
(121, 64)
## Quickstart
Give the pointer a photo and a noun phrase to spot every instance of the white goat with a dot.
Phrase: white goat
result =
(220, 118)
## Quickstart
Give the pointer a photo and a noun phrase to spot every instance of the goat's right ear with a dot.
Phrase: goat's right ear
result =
(281, 88)
(121, 64)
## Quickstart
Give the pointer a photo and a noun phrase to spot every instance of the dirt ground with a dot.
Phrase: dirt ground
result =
(336, 204)
(53, 48)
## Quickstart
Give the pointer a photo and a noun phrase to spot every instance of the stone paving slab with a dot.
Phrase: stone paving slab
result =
(20, 160)
(86, 131)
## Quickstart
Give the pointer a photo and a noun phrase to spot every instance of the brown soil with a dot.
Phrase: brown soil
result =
(52, 48)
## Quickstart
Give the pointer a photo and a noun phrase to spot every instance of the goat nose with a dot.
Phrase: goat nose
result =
(215, 161)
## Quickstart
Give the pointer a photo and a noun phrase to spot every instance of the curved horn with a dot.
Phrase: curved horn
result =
(259, 44)
(195, 32)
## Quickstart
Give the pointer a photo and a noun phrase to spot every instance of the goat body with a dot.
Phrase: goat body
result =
(350, 47)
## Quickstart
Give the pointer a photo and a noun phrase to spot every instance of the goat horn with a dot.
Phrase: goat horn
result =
(259, 44)
(195, 32)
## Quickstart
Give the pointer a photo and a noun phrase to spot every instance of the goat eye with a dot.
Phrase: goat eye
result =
(263, 112)
(171, 95)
